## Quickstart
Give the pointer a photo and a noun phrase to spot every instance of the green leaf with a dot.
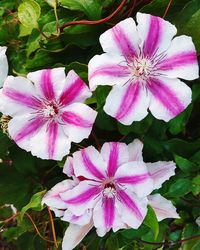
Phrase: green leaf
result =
(52, 3)
(101, 94)
(112, 243)
(91, 8)
(34, 203)
(196, 185)
(188, 22)
(152, 222)
(190, 230)
(179, 188)
(29, 13)
(184, 164)
(139, 128)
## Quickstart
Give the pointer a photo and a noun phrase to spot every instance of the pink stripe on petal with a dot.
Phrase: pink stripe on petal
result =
(46, 84)
(85, 196)
(123, 43)
(113, 158)
(178, 60)
(153, 38)
(129, 203)
(136, 179)
(22, 98)
(52, 132)
(110, 70)
(72, 92)
(129, 100)
(90, 166)
(165, 96)
(76, 120)
(109, 211)
(29, 129)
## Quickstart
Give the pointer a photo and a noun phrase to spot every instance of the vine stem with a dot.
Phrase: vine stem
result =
(170, 242)
(53, 228)
(167, 9)
(87, 22)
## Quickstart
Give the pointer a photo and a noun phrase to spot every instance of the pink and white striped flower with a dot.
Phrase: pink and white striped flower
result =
(143, 64)
(111, 190)
(47, 111)
(3, 65)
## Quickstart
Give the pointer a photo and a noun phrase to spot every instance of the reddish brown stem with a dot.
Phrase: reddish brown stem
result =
(87, 22)
(53, 228)
(167, 9)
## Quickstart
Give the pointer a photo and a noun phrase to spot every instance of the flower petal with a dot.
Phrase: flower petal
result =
(180, 60)
(127, 103)
(134, 176)
(132, 210)
(23, 128)
(114, 154)
(55, 143)
(162, 207)
(107, 69)
(135, 150)
(18, 96)
(122, 39)
(78, 220)
(89, 164)
(74, 235)
(169, 97)
(106, 216)
(68, 168)
(155, 33)
(78, 120)
(52, 197)
(161, 171)
(75, 90)
(3, 65)
(48, 82)
(82, 197)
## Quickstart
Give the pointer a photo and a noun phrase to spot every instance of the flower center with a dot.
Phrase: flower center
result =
(141, 68)
(50, 110)
(109, 190)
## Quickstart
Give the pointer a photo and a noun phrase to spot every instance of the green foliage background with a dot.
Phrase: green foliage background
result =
(31, 31)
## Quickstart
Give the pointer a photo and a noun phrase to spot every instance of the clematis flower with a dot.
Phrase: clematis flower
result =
(47, 111)
(143, 63)
(112, 190)
(3, 65)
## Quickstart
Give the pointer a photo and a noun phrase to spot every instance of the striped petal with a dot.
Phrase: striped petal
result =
(162, 207)
(180, 60)
(55, 143)
(114, 154)
(161, 171)
(155, 33)
(48, 82)
(169, 97)
(68, 167)
(134, 175)
(106, 217)
(107, 69)
(3, 65)
(127, 103)
(18, 96)
(23, 128)
(74, 235)
(78, 120)
(89, 163)
(135, 150)
(52, 197)
(78, 220)
(75, 90)
(82, 197)
(122, 39)
(132, 210)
